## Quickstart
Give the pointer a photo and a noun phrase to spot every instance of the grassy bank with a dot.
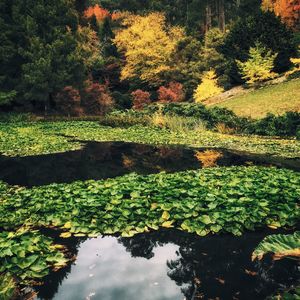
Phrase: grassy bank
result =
(276, 99)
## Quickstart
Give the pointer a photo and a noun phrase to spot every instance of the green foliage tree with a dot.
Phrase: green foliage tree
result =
(259, 66)
(187, 64)
(52, 59)
(41, 51)
(265, 28)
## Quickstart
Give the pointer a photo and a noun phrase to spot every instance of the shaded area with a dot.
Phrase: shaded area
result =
(170, 264)
(101, 160)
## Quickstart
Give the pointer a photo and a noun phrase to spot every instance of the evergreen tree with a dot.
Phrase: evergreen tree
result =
(269, 31)
(45, 58)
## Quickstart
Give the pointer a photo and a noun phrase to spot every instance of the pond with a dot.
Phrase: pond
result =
(101, 160)
(168, 265)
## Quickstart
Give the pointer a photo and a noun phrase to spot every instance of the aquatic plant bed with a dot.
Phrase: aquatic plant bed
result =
(208, 201)
(33, 138)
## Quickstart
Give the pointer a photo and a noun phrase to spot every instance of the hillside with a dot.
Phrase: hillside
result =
(275, 99)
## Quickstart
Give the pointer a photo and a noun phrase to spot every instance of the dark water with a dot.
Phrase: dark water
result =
(169, 265)
(110, 159)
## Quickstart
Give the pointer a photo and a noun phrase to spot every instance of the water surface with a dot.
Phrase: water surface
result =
(169, 265)
(101, 160)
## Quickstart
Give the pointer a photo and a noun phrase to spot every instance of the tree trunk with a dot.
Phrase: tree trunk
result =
(221, 15)
(208, 16)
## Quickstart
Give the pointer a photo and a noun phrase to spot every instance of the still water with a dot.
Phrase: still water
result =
(110, 159)
(169, 265)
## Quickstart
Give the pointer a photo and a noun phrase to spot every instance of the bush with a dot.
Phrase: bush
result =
(140, 99)
(122, 100)
(285, 125)
(68, 102)
(96, 99)
(171, 93)
(227, 121)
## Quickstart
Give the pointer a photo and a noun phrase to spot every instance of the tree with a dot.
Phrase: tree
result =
(89, 47)
(288, 10)
(173, 92)
(147, 43)
(96, 99)
(140, 99)
(269, 31)
(46, 57)
(11, 60)
(97, 11)
(68, 101)
(187, 64)
(208, 87)
(259, 66)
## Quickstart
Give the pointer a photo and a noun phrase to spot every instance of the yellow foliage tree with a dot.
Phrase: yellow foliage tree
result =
(259, 66)
(147, 43)
(208, 87)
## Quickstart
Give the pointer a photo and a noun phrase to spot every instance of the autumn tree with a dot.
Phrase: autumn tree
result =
(140, 99)
(259, 66)
(89, 47)
(96, 99)
(68, 101)
(147, 43)
(288, 10)
(98, 12)
(208, 87)
(173, 92)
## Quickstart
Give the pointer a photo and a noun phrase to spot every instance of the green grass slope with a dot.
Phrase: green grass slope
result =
(276, 99)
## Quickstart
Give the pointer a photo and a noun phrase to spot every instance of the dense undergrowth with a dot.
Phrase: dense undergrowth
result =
(33, 138)
(271, 125)
(207, 201)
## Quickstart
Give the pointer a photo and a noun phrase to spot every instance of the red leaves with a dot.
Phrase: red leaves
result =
(140, 99)
(96, 99)
(171, 93)
(68, 101)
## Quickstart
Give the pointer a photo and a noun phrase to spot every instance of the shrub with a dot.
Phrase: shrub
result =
(122, 100)
(208, 88)
(96, 99)
(285, 125)
(140, 99)
(68, 101)
(171, 93)
(259, 66)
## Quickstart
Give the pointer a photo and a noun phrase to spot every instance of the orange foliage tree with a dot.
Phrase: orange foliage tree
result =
(97, 11)
(288, 10)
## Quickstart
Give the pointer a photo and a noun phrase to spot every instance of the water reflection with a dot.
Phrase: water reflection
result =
(110, 159)
(170, 264)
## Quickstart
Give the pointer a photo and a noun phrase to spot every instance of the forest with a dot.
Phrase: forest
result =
(149, 149)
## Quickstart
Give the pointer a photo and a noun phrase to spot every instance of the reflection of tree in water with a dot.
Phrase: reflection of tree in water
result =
(55, 279)
(217, 267)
